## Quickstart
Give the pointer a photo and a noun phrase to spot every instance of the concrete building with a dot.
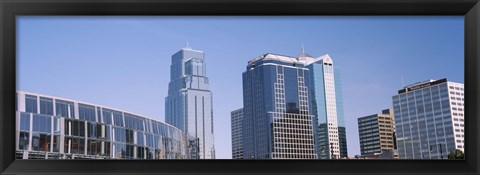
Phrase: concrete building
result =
(327, 107)
(377, 133)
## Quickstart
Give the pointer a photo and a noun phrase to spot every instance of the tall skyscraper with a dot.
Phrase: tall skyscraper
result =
(327, 107)
(237, 138)
(278, 123)
(287, 97)
(377, 133)
(188, 105)
(429, 119)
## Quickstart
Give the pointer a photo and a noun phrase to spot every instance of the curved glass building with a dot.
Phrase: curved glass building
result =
(56, 128)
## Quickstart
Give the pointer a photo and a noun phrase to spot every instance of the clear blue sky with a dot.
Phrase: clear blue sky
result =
(124, 62)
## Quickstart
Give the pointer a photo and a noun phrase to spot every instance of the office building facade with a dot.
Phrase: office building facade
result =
(284, 96)
(327, 107)
(188, 105)
(237, 133)
(429, 119)
(377, 134)
(277, 119)
(56, 128)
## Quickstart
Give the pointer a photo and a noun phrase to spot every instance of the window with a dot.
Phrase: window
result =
(92, 130)
(74, 145)
(86, 112)
(42, 123)
(129, 136)
(56, 143)
(44, 142)
(140, 138)
(46, 106)
(119, 134)
(133, 122)
(64, 108)
(31, 103)
(81, 146)
(107, 116)
(35, 141)
(23, 141)
(81, 129)
(93, 147)
(24, 121)
(77, 128)
(117, 119)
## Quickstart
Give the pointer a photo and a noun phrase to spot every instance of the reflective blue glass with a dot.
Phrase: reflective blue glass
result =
(46, 106)
(31, 103)
(64, 108)
(25, 121)
(86, 112)
(189, 89)
(41, 123)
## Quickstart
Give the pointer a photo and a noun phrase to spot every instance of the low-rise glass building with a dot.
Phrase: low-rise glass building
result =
(55, 128)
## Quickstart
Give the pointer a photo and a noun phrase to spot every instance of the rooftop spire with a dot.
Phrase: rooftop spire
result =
(188, 46)
(303, 55)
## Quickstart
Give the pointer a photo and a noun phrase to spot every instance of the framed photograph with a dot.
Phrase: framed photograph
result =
(239, 87)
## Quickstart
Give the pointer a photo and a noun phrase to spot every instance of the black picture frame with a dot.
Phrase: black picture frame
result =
(470, 9)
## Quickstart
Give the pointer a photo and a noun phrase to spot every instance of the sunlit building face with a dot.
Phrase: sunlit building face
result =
(429, 119)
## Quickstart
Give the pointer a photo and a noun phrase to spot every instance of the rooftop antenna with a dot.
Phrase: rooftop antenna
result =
(303, 49)
(188, 45)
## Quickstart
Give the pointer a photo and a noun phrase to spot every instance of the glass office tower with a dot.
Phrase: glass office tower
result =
(56, 128)
(278, 123)
(327, 107)
(237, 137)
(188, 105)
(429, 119)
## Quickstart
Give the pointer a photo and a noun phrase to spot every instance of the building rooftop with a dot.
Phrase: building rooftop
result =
(421, 84)
(303, 58)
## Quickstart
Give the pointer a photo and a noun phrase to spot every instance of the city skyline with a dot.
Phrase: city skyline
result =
(127, 55)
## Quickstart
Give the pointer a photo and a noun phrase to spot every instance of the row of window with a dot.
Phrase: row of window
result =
(87, 112)
(456, 88)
